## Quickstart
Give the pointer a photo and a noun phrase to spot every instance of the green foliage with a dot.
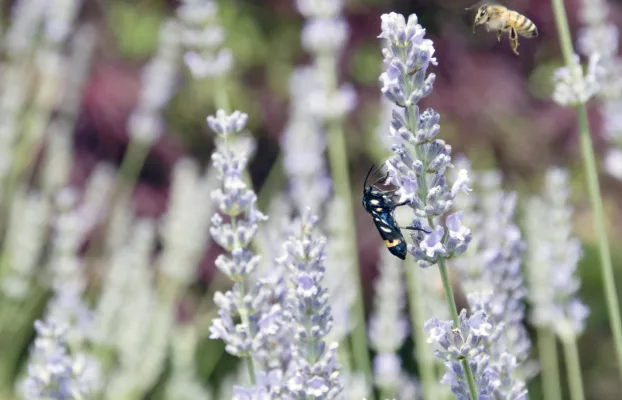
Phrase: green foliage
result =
(135, 26)
(364, 68)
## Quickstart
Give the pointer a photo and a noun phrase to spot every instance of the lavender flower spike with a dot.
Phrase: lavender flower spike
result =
(420, 160)
(236, 201)
(572, 87)
(53, 372)
(478, 339)
(314, 369)
(552, 260)
(388, 326)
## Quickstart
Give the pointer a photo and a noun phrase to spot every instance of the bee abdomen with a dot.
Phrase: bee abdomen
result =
(524, 26)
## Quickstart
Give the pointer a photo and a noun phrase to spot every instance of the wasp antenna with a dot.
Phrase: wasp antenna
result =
(379, 168)
(368, 175)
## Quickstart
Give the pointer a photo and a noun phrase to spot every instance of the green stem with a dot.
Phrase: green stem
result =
(338, 157)
(272, 184)
(469, 378)
(131, 165)
(573, 367)
(339, 170)
(221, 97)
(589, 162)
(547, 351)
(449, 294)
(425, 359)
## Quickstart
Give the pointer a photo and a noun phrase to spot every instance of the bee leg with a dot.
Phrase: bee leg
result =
(499, 31)
(514, 40)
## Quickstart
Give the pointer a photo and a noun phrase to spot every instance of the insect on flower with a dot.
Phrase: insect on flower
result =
(500, 18)
(380, 204)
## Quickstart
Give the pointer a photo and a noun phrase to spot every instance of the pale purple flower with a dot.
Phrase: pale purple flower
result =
(455, 227)
(319, 8)
(493, 261)
(432, 245)
(268, 387)
(419, 180)
(313, 370)
(53, 371)
(158, 80)
(60, 18)
(461, 183)
(202, 39)
(324, 35)
(572, 86)
(237, 201)
(600, 36)
(388, 325)
(478, 341)
(553, 258)
(304, 143)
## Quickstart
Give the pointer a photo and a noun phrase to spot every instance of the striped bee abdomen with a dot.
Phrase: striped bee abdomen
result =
(523, 25)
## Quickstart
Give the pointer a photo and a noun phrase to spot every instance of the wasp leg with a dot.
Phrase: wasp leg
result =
(414, 228)
(384, 178)
(514, 40)
(403, 203)
(499, 32)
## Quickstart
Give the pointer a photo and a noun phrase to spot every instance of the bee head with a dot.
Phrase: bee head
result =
(482, 16)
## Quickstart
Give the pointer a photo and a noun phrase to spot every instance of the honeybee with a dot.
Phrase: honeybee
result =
(500, 18)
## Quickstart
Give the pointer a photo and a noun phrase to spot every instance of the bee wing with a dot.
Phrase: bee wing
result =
(482, 2)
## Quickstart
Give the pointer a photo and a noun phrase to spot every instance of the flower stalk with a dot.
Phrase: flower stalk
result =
(547, 348)
(425, 358)
(589, 164)
(573, 367)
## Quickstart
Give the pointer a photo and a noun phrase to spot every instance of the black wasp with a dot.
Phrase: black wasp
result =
(381, 204)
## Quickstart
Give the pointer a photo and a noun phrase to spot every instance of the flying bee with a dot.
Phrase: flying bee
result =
(381, 204)
(500, 18)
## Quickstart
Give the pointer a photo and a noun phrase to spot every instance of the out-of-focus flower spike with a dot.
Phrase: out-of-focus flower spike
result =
(54, 372)
(202, 38)
(388, 325)
(553, 258)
